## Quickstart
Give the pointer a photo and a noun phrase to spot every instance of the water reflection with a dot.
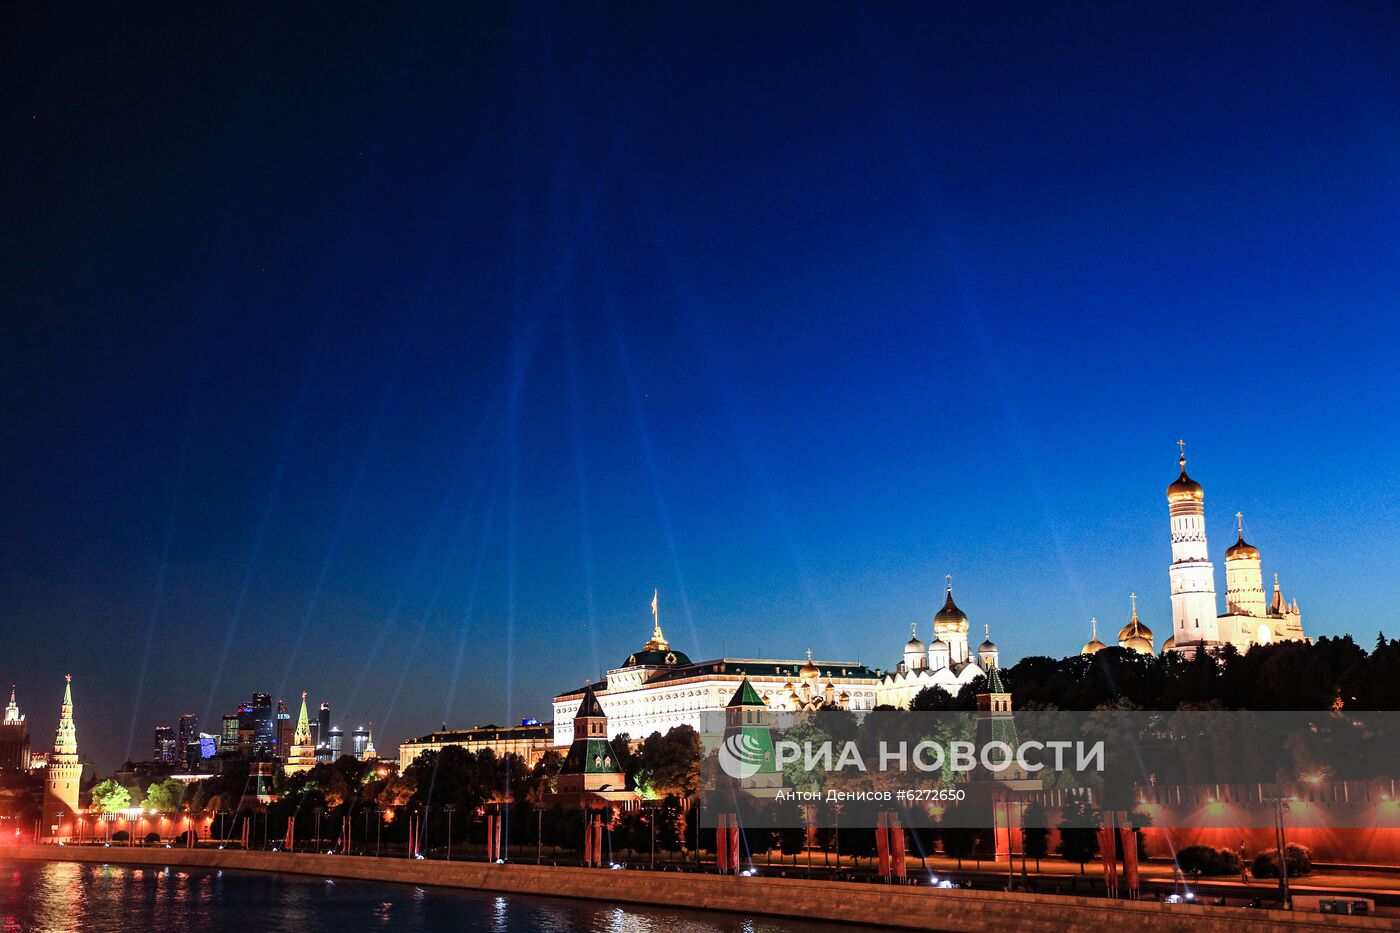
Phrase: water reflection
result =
(67, 897)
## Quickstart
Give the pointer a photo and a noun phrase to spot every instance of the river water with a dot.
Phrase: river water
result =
(57, 897)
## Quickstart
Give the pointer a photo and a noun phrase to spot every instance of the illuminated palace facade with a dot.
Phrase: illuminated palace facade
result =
(659, 688)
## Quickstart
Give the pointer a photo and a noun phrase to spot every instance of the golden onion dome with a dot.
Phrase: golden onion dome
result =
(1093, 645)
(950, 618)
(1184, 489)
(1139, 644)
(1134, 626)
(809, 669)
(1169, 644)
(1241, 549)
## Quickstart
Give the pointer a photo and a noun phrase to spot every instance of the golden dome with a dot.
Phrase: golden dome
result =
(1169, 644)
(1241, 549)
(1184, 489)
(1134, 627)
(809, 669)
(913, 641)
(1139, 644)
(1093, 645)
(950, 618)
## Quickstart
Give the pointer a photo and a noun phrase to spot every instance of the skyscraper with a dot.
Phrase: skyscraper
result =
(228, 732)
(64, 771)
(264, 724)
(165, 745)
(14, 738)
(284, 730)
(321, 733)
(337, 740)
(187, 741)
(358, 740)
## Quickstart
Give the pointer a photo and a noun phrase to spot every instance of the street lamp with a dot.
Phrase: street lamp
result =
(449, 809)
(1280, 805)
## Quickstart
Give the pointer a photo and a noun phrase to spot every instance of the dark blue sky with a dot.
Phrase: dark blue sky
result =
(396, 355)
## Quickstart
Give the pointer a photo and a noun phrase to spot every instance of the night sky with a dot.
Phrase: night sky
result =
(396, 355)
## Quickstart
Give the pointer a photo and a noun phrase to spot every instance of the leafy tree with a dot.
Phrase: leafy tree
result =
(670, 764)
(165, 796)
(110, 797)
(1079, 833)
(788, 825)
(958, 835)
(1208, 860)
(1299, 862)
(1035, 833)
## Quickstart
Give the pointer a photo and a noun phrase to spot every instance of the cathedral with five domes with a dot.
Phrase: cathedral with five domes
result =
(947, 663)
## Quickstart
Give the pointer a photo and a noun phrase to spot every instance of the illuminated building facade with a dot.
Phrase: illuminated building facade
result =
(1247, 621)
(659, 688)
(64, 772)
(529, 741)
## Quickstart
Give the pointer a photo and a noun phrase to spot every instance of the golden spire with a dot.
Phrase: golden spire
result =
(1094, 627)
(1239, 524)
(658, 640)
(1133, 598)
(1181, 444)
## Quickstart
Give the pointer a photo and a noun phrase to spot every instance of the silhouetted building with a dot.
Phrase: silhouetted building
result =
(14, 738)
(359, 740)
(336, 743)
(321, 733)
(284, 730)
(228, 732)
(264, 725)
(164, 751)
(187, 741)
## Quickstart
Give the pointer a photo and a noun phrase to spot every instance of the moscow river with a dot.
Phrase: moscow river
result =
(56, 897)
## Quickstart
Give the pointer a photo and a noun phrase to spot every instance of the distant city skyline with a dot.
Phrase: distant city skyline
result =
(403, 375)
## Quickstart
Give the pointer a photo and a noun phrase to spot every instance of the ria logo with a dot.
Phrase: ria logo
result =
(741, 756)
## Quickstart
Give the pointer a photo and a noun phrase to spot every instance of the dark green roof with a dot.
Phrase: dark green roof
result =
(654, 657)
(994, 682)
(590, 706)
(591, 756)
(746, 695)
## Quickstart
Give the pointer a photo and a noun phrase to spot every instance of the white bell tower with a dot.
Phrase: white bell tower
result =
(1192, 574)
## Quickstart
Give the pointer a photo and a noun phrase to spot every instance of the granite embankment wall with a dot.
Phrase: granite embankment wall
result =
(919, 908)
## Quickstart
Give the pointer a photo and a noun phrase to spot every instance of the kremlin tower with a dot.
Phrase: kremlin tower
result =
(302, 754)
(64, 771)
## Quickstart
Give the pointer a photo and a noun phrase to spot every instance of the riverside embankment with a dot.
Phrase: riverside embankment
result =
(922, 908)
